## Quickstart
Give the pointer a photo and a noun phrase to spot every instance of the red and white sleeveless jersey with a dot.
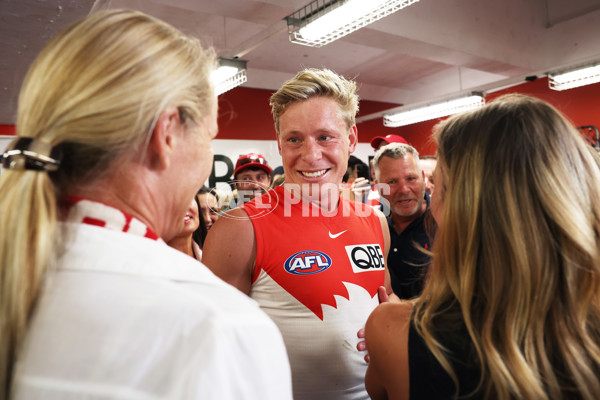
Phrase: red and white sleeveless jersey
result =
(316, 276)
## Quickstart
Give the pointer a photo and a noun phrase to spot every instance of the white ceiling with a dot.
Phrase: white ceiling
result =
(429, 50)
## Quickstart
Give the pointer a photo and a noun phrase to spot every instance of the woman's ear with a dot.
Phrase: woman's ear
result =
(162, 141)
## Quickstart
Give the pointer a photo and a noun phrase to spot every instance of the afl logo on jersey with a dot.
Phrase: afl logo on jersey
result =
(307, 262)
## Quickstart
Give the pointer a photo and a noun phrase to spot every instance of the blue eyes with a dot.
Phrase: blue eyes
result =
(322, 138)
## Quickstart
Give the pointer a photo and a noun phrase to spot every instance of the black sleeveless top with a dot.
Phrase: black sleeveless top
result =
(429, 380)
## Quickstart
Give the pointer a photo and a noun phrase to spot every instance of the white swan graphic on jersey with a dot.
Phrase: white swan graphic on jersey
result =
(348, 315)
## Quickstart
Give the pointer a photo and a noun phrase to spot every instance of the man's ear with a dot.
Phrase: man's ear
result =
(353, 137)
(162, 141)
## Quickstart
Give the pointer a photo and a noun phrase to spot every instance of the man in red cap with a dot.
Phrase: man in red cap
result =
(379, 141)
(252, 177)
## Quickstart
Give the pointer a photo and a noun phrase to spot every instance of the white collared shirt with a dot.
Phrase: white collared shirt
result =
(127, 317)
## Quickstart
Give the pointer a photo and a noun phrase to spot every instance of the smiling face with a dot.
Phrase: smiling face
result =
(406, 185)
(191, 220)
(315, 143)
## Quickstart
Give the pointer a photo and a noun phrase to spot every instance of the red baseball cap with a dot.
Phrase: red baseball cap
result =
(251, 160)
(376, 141)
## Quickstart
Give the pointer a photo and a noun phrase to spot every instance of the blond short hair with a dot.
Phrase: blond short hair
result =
(314, 83)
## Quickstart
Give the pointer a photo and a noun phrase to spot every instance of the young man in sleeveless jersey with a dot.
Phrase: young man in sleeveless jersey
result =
(314, 261)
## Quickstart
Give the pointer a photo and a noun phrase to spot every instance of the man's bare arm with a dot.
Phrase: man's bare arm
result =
(230, 249)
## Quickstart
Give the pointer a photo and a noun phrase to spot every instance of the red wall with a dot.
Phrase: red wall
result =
(244, 113)
(7, 129)
(581, 105)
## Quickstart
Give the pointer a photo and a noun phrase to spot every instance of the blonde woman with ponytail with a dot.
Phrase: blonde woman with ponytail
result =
(116, 116)
(511, 307)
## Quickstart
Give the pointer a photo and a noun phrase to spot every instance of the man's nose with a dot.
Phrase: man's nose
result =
(254, 184)
(403, 187)
(311, 151)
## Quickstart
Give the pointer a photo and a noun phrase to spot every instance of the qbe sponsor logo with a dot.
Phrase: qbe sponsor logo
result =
(307, 262)
(365, 257)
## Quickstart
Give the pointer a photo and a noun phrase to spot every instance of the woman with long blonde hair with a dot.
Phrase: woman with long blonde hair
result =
(115, 120)
(511, 307)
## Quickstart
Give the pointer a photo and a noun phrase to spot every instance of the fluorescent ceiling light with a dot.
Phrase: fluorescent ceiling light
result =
(436, 110)
(231, 73)
(574, 78)
(321, 22)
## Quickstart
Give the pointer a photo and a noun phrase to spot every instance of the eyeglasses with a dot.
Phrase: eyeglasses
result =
(250, 160)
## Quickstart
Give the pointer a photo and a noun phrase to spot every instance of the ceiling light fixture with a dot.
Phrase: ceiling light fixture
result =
(574, 77)
(231, 73)
(436, 110)
(321, 22)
